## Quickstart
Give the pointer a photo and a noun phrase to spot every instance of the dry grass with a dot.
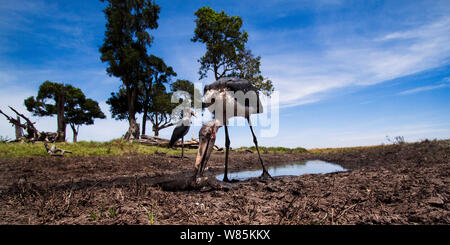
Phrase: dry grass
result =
(84, 148)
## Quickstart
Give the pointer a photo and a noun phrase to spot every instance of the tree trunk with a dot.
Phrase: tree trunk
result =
(60, 117)
(133, 130)
(145, 107)
(75, 133)
(155, 125)
(144, 118)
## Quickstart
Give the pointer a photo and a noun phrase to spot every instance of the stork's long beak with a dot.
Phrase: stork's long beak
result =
(206, 144)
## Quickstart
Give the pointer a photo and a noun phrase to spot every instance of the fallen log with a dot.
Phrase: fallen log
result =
(158, 141)
(34, 135)
(29, 126)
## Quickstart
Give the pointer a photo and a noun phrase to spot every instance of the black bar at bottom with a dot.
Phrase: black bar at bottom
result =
(225, 234)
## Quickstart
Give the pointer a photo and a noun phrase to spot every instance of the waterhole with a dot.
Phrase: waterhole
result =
(289, 169)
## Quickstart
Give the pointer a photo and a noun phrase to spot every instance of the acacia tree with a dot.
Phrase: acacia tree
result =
(248, 68)
(125, 47)
(153, 92)
(69, 104)
(159, 103)
(162, 111)
(225, 48)
(191, 97)
(42, 106)
(82, 112)
(160, 108)
(157, 106)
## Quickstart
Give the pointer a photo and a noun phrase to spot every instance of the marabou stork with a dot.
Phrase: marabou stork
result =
(241, 99)
(182, 129)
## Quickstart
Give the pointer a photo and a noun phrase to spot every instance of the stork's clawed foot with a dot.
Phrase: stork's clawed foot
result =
(193, 182)
(266, 175)
(225, 179)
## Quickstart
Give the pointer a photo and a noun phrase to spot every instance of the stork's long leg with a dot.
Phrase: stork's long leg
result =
(227, 148)
(182, 147)
(264, 173)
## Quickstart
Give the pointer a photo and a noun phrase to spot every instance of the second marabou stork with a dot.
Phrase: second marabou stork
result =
(182, 129)
(226, 98)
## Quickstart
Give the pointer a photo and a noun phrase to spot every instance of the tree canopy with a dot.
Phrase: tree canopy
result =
(160, 108)
(157, 101)
(195, 97)
(125, 47)
(76, 109)
(163, 112)
(118, 105)
(82, 112)
(154, 98)
(226, 54)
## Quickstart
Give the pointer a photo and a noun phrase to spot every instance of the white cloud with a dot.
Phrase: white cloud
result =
(327, 137)
(94, 82)
(300, 75)
(424, 88)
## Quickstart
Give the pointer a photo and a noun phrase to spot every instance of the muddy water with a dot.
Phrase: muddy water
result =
(290, 169)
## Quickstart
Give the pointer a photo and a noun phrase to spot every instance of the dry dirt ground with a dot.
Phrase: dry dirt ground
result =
(392, 184)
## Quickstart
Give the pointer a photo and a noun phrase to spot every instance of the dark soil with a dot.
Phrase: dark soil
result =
(392, 184)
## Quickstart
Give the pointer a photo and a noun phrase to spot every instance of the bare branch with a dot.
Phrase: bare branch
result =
(13, 121)
(53, 151)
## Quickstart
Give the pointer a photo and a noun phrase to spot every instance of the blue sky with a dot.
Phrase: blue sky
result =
(348, 72)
